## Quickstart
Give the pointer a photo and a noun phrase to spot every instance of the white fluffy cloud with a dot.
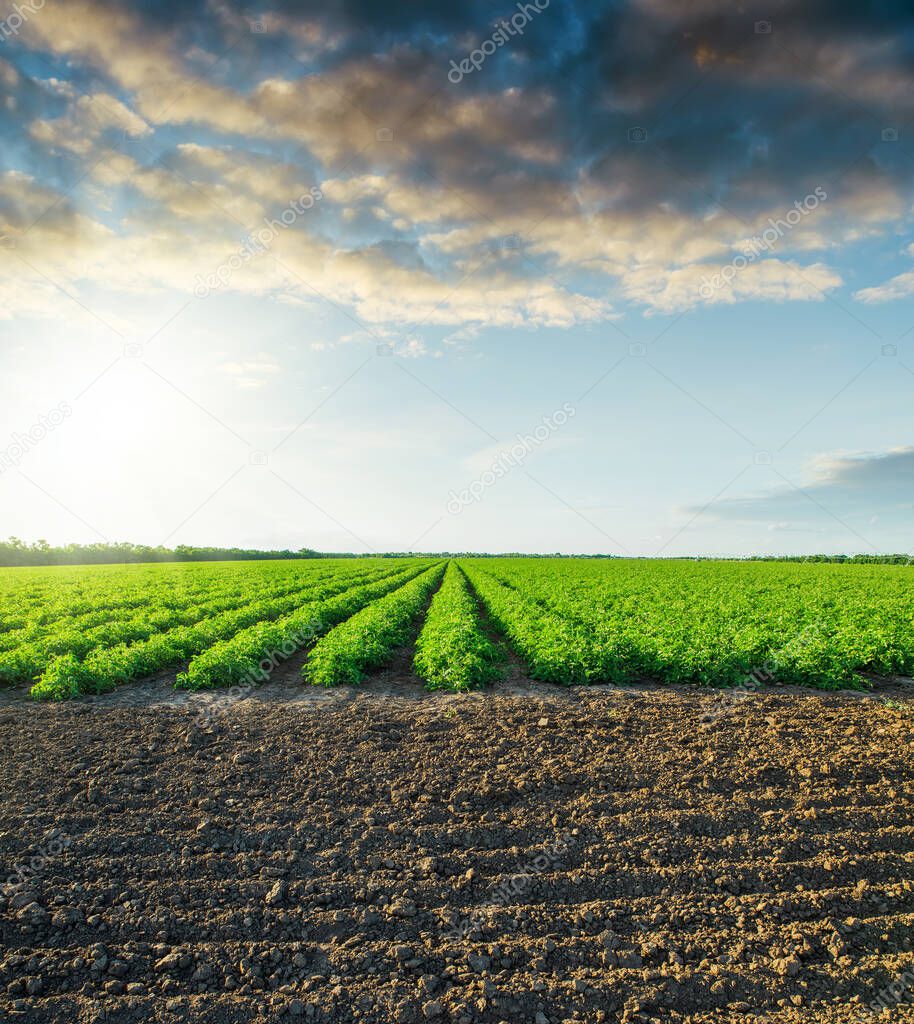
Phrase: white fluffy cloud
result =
(898, 287)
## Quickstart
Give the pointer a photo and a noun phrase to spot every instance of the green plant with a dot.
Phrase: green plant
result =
(452, 652)
(365, 641)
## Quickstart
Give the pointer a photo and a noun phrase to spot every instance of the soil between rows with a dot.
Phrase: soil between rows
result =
(527, 854)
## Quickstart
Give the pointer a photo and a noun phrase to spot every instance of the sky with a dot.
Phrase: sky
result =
(630, 277)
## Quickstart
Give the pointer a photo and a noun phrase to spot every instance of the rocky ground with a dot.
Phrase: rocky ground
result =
(526, 855)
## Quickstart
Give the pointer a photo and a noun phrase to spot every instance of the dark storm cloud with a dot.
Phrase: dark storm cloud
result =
(736, 115)
(732, 114)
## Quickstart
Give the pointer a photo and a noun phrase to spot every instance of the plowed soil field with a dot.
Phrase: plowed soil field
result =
(525, 854)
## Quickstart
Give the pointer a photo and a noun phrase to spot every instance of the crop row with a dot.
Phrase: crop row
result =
(570, 621)
(453, 652)
(105, 668)
(366, 641)
(238, 660)
(29, 658)
(110, 608)
(108, 600)
(553, 647)
(713, 623)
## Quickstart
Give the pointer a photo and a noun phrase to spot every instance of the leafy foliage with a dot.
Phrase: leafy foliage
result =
(238, 660)
(72, 630)
(550, 644)
(365, 641)
(104, 668)
(713, 622)
(452, 652)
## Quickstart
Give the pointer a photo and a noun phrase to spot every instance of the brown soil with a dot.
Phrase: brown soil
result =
(525, 855)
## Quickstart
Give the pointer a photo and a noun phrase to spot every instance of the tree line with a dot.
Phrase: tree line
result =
(17, 552)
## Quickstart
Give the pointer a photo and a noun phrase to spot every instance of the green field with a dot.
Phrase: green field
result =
(88, 629)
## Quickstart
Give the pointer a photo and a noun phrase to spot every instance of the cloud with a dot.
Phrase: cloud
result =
(72, 250)
(252, 374)
(633, 146)
(849, 487)
(9, 79)
(273, 183)
(769, 280)
(144, 59)
(87, 118)
(897, 287)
